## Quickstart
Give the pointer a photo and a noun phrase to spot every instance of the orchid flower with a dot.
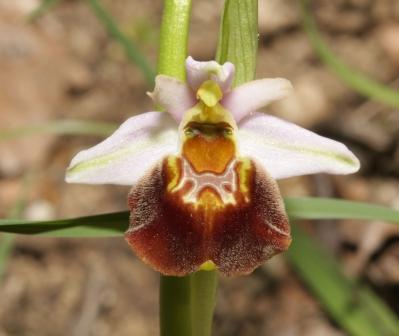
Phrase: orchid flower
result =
(204, 193)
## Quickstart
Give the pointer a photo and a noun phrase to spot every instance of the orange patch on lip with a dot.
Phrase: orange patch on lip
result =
(209, 150)
(209, 155)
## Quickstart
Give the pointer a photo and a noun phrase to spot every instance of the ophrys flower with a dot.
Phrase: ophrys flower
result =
(203, 174)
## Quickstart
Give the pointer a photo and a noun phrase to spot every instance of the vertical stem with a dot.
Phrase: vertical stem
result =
(174, 37)
(203, 301)
(175, 317)
(187, 304)
(179, 295)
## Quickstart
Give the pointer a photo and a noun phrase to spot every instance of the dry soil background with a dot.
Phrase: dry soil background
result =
(64, 65)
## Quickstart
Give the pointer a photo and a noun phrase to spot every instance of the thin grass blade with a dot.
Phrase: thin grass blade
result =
(6, 244)
(330, 208)
(351, 304)
(7, 240)
(60, 127)
(132, 51)
(353, 78)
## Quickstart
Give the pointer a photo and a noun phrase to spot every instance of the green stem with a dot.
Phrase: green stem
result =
(174, 37)
(175, 314)
(187, 304)
(203, 301)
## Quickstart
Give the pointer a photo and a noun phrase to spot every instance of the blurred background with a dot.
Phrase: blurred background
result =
(64, 65)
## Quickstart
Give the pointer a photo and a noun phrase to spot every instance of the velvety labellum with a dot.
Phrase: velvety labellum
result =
(182, 217)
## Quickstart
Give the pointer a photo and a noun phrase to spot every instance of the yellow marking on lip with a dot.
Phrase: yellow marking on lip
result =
(173, 166)
(244, 168)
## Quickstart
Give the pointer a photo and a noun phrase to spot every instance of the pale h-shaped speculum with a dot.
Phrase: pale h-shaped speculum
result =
(217, 182)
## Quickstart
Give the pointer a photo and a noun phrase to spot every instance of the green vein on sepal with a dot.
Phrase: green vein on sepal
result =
(104, 160)
(302, 149)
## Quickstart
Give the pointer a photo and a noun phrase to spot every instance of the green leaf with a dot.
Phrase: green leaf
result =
(354, 306)
(132, 51)
(105, 225)
(355, 79)
(174, 38)
(60, 127)
(330, 208)
(238, 38)
(114, 224)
